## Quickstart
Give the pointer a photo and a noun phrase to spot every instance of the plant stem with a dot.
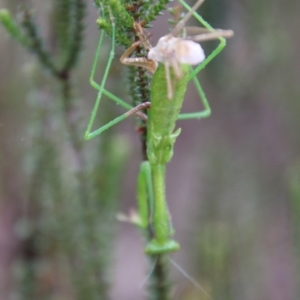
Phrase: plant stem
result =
(159, 286)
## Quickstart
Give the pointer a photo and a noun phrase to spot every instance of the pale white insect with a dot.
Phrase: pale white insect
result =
(172, 50)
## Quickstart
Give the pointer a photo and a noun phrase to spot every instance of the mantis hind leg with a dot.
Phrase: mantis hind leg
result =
(200, 114)
(212, 55)
(193, 74)
(101, 90)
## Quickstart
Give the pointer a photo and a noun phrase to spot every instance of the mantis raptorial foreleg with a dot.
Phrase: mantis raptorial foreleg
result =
(151, 210)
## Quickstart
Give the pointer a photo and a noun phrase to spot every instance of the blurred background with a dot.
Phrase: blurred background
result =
(232, 186)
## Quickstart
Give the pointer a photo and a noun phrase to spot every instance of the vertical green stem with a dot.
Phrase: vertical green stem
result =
(160, 285)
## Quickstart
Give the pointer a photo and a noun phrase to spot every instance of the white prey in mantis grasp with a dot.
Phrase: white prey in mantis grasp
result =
(173, 51)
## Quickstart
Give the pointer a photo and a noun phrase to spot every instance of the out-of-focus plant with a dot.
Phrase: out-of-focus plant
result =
(67, 231)
(294, 196)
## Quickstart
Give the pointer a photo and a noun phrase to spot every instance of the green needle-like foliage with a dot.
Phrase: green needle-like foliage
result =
(69, 28)
(36, 42)
(74, 35)
(12, 27)
(124, 13)
(63, 13)
(152, 10)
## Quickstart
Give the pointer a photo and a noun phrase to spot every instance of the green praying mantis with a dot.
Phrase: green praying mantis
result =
(170, 62)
